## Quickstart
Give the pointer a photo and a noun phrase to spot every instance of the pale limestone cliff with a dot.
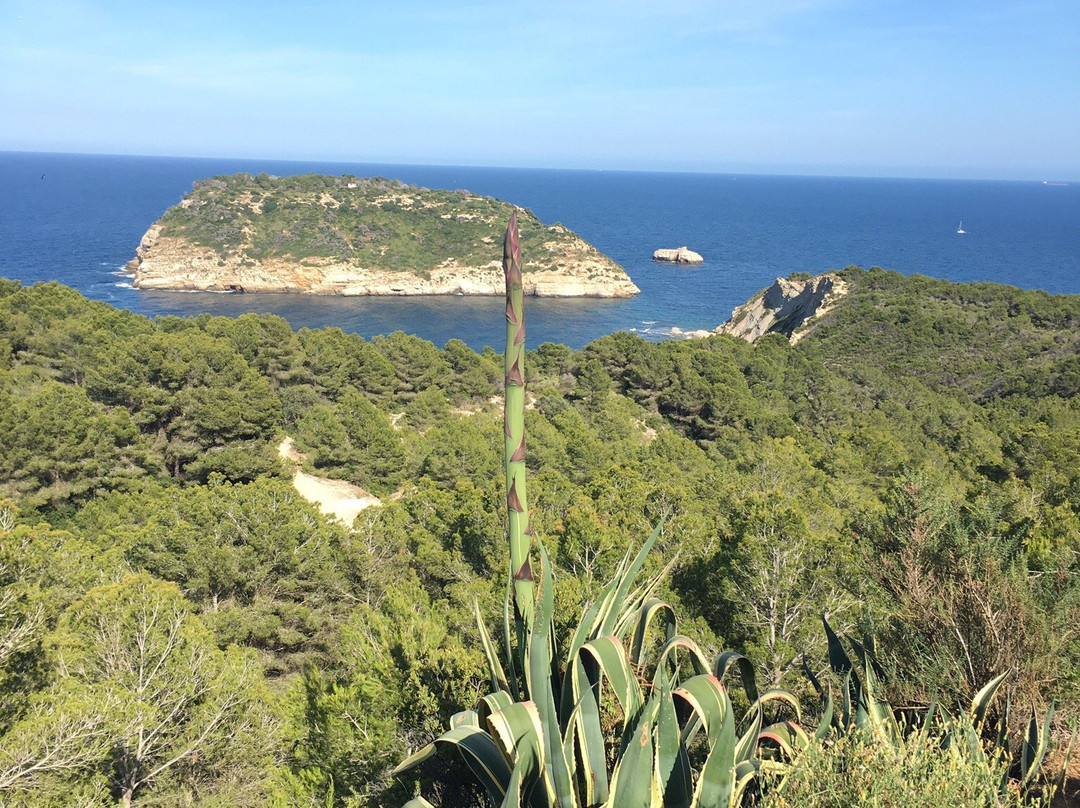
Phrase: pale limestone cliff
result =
(572, 270)
(682, 255)
(787, 307)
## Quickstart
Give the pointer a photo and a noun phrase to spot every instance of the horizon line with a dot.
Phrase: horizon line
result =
(821, 172)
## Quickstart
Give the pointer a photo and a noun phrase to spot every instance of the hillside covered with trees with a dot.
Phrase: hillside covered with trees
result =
(178, 626)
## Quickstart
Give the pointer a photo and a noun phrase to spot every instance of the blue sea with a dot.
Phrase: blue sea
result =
(77, 219)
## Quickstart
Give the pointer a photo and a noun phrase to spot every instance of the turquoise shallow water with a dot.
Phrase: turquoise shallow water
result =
(78, 218)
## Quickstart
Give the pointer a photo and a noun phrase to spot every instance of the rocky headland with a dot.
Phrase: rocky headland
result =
(788, 307)
(316, 234)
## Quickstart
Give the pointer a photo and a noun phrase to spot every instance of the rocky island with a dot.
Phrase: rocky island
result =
(681, 255)
(346, 235)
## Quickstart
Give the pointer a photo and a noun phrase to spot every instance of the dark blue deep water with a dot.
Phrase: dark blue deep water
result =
(77, 219)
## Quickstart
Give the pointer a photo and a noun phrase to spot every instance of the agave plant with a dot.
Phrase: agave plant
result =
(538, 738)
(966, 734)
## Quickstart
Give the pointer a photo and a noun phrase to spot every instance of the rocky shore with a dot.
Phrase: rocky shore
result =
(164, 262)
(788, 307)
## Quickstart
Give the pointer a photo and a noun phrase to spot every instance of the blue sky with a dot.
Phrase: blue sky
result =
(949, 88)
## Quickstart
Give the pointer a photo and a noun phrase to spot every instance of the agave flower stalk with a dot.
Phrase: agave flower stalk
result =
(517, 505)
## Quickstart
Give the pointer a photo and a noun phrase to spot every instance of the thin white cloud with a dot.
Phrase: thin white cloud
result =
(277, 73)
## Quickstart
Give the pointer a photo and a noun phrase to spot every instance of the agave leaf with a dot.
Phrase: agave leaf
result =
(606, 603)
(538, 674)
(866, 656)
(788, 736)
(611, 658)
(480, 753)
(1003, 727)
(1003, 749)
(509, 626)
(492, 703)
(516, 727)
(584, 725)
(672, 771)
(972, 743)
(981, 703)
(706, 697)
(862, 713)
(813, 678)
(744, 749)
(603, 607)
(948, 725)
(777, 694)
(416, 758)
(707, 701)
(847, 720)
(465, 718)
(927, 723)
(825, 725)
(1001, 744)
(838, 658)
(569, 744)
(526, 774)
(745, 772)
(614, 605)
(522, 780)
(650, 609)
(491, 655)
(637, 598)
(746, 671)
(879, 713)
(633, 783)
(582, 634)
(586, 629)
(1036, 743)
(698, 660)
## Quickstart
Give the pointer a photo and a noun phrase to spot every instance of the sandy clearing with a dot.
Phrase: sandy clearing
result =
(335, 498)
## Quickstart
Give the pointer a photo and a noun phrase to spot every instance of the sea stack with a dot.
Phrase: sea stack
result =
(681, 255)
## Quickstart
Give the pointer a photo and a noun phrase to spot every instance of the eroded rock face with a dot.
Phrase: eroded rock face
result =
(173, 263)
(680, 255)
(786, 307)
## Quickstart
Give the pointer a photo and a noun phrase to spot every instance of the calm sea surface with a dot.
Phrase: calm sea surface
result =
(77, 219)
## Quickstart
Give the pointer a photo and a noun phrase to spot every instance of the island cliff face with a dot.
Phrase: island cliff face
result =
(353, 236)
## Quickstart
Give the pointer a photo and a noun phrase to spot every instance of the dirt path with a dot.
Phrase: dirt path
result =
(335, 498)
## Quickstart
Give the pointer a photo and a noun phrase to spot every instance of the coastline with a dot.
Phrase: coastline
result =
(171, 264)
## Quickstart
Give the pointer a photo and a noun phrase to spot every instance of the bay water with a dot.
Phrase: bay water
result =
(77, 219)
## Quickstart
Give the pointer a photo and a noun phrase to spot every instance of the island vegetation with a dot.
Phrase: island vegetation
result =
(178, 626)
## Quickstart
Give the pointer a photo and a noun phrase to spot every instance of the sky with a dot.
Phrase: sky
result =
(946, 88)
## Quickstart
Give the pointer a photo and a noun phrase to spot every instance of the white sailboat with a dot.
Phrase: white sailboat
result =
(960, 229)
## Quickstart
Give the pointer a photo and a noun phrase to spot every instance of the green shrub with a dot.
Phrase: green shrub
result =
(856, 770)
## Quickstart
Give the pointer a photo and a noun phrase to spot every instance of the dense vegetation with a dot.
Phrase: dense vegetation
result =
(178, 626)
(369, 222)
